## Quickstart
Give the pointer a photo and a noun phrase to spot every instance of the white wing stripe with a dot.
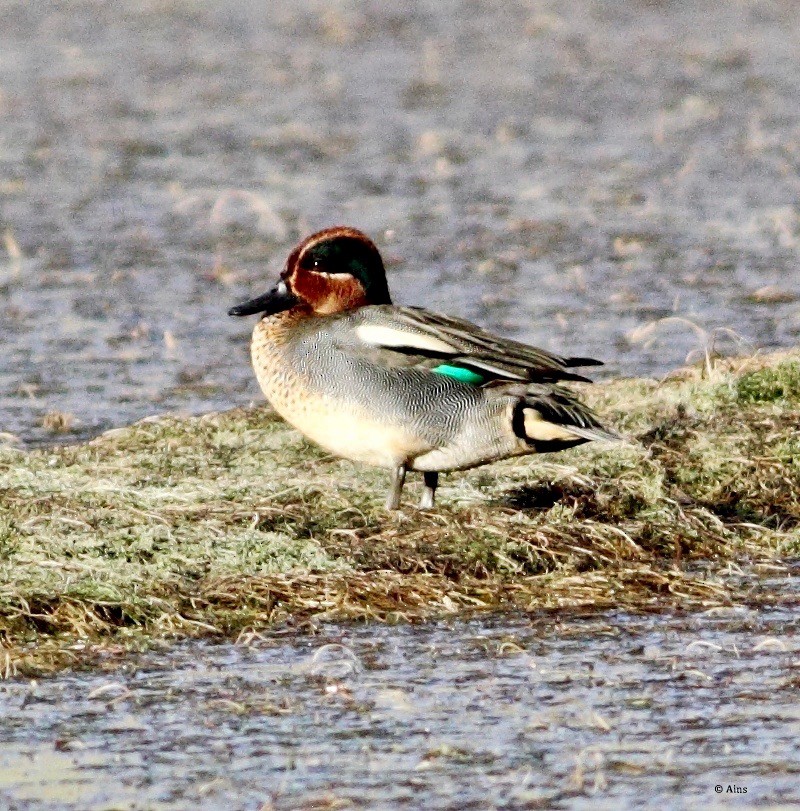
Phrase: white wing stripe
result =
(381, 335)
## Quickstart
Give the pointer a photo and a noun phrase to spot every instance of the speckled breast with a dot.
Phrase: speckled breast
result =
(322, 410)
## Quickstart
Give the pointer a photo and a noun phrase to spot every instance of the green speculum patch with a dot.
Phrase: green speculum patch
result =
(461, 374)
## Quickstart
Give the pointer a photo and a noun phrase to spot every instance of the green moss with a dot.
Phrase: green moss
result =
(769, 385)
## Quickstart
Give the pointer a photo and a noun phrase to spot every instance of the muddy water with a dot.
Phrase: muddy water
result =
(606, 712)
(570, 175)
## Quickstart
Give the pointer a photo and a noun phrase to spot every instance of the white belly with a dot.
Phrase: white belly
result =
(351, 434)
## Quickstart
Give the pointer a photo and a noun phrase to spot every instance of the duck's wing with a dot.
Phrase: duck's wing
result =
(412, 336)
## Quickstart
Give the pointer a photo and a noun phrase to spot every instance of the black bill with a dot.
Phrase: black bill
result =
(277, 300)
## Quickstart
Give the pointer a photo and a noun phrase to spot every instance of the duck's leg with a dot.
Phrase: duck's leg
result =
(398, 480)
(431, 479)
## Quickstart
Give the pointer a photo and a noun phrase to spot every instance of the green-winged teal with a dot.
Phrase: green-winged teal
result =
(402, 387)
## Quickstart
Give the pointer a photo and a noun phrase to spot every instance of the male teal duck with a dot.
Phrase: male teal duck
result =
(402, 387)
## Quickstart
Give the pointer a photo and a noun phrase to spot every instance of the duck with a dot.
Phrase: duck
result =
(399, 387)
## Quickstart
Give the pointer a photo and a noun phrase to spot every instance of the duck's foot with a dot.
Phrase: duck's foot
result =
(431, 479)
(398, 480)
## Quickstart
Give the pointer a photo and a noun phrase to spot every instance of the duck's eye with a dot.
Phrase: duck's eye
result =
(310, 263)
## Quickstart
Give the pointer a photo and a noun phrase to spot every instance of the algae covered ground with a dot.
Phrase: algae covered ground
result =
(223, 525)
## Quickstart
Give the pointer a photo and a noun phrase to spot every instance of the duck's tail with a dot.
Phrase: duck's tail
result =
(551, 418)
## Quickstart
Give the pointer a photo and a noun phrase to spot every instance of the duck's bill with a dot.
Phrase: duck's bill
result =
(277, 300)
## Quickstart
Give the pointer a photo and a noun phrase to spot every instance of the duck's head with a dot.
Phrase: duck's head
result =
(329, 272)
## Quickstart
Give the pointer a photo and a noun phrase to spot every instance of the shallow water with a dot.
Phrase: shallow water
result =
(566, 174)
(609, 711)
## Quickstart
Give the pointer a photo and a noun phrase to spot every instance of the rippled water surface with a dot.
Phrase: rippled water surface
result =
(569, 174)
(605, 712)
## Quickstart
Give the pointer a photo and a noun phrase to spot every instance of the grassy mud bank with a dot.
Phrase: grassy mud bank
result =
(222, 525)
